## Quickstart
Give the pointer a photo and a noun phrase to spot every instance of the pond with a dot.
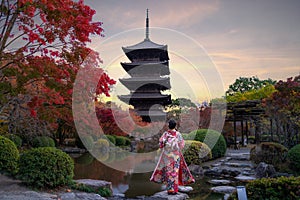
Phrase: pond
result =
(133, 184)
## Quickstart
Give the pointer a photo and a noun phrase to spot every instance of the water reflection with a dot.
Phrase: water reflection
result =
(133, 184)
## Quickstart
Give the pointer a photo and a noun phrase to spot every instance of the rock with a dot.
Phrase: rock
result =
(81, 196)
(216, 164)
(226, 196)
(95, 184)
(223, 189)
(219, 182)
(185, 189)
(73, 150)
(164, 196)
(27, 195)
(196, 169)
(230, 172)
(245, 178)
(265, 170)
(212, 173)
(236, 164)
(240, 156)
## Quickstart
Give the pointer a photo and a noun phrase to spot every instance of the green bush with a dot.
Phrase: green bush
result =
(85, 142)
(251, 139)
(9, 156)
(111, 138)
(46, 167)
(196, 152)
(213, 139)
(43, 141)
(16, 139)
(189, 136)
(294, 157)
(269, 152)
(287, 188)
(122, 141)
(102, 144)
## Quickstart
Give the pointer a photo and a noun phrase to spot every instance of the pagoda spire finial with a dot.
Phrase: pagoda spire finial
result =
(147, 26)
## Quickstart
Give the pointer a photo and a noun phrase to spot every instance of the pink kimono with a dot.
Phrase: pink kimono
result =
(171, 168)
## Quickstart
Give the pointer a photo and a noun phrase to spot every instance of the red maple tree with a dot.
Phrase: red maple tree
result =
(43, 45)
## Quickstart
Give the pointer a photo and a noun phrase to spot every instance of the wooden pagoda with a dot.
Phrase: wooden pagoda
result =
(149, 75)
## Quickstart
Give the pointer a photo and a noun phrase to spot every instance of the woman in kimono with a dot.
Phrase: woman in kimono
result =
(171, 168)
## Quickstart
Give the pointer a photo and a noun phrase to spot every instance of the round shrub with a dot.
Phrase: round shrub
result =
(196, 152)
(251, 139)
(189, 136)
(213, 139)
(16, 139)
(127, 141)
(269, 152)
(46, 167)
(111, 138)
(120, 140)
(294, 157)
(85, 142)
(9, 156)
(102, 144)
(43, 141)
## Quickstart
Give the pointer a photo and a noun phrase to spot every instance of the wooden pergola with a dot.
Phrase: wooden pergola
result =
(244, 112)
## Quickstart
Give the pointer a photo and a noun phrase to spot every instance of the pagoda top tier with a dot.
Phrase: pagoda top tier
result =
(146, 44)
(146, 50)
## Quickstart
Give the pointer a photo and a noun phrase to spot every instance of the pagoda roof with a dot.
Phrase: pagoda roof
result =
(165, 62)
(137, 96)
(151, 67)
(145, 44)
(163, 83)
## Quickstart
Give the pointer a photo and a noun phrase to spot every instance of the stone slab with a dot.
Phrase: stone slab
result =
(164, 196)
(81, 196)
(223, 189)
(95, 184)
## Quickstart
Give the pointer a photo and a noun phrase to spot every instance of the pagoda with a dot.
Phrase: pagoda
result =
(149, 75)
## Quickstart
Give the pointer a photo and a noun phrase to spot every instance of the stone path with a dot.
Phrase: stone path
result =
(228, 172)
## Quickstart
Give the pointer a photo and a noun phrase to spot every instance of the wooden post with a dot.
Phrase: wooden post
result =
(242, 127)
(234, 130)
(247, 135)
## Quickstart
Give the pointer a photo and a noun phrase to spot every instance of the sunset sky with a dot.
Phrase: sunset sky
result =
(242, 38)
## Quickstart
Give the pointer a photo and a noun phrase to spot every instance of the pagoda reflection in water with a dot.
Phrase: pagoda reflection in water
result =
(149, 75)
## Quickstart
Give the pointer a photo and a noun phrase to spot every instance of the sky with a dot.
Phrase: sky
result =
(211, 43)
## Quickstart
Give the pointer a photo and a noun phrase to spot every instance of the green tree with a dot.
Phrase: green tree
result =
(244, 84)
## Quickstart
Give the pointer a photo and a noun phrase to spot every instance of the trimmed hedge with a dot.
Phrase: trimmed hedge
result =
(111, 138)
(102, 144)
(9, 156)
(122, 141)
(196, 152)
(213, 139)
(189, 136)
(16, 139)
(294, 157)
(43, 141)
(46, 167)
(287, 188)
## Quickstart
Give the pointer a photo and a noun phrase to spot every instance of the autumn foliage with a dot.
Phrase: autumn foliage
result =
(43, 45)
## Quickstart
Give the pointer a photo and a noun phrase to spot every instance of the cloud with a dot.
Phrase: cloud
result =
(119, 16)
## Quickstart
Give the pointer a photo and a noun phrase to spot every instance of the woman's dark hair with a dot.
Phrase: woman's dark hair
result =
(172, 124)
